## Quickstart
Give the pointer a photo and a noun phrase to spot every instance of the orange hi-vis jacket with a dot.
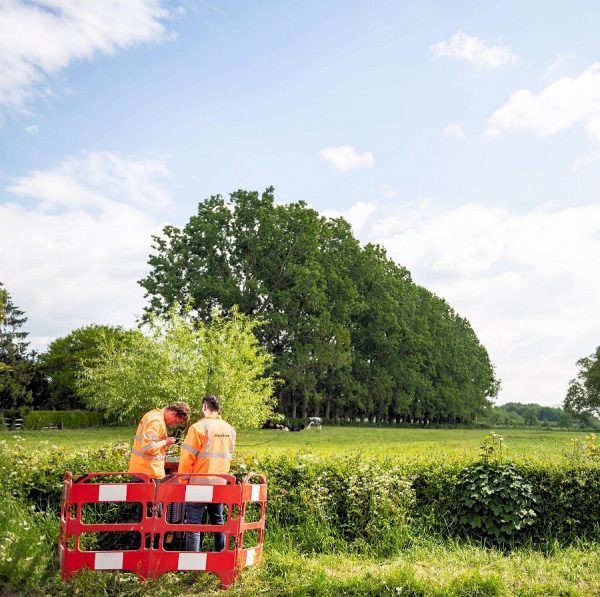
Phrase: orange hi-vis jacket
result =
(149, 448)
(208, 448)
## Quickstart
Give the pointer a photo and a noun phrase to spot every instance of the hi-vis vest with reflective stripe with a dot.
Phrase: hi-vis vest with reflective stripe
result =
(208, 448)
(146, 456)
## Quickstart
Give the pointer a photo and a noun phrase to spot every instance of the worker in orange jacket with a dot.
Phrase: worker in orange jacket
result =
(208, 448)
(150, 443)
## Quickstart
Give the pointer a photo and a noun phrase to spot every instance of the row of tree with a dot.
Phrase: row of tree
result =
(350, 333)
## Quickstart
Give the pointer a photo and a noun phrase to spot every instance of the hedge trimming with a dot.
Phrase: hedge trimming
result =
(38, 419)
(350, 502)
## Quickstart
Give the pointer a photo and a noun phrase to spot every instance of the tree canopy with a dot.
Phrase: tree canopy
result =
(175, 359)
(65, 358)
(583, 394)
(349, 332)
(16, 366)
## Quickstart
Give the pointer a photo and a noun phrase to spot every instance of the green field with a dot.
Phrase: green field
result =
(402, 443)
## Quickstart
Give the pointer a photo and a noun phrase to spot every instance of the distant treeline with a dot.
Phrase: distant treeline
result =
(534, 415)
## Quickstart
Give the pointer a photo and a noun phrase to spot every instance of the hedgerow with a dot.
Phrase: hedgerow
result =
(354, 503)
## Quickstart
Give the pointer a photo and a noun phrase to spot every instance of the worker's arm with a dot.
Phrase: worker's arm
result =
(189, 451)
(151, 442)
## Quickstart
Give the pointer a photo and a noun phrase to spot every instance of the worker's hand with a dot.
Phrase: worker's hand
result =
(170, 441)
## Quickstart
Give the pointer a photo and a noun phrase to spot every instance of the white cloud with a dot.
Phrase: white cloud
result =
(555, 68)
(74, 240)
(388, 191)
(523, 279)
(559, 106)
(32, 129)
(455, 129)
(473, 50)
(42, 37)
(358, 214)
(587, 160)
(346, 158)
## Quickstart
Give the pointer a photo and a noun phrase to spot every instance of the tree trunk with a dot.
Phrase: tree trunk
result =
(294, 405)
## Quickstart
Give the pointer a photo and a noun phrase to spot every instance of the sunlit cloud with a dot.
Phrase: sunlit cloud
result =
(473, 50)
(42, 37)
(345, 158)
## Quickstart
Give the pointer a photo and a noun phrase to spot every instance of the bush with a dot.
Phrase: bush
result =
(335, 503)
(367, 505)
(38, 419)
(495, 501)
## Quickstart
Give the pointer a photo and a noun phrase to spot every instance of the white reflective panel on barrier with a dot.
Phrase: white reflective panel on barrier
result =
(108, 561)
(199, 493)
(192, 561)
(112, 493)
(250, 557)
(255, 493)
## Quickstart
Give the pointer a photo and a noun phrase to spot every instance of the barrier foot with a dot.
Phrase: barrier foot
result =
(228, 577)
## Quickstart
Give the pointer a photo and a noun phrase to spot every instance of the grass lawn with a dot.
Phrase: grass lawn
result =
(383, 441)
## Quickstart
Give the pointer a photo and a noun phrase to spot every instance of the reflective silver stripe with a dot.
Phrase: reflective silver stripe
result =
(148, 456)
(190, 449)
(150, 436)
(149, 446)
(217, 455)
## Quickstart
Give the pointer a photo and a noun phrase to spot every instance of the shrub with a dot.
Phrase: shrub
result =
(38, 419)
(336, 502)
(495, 501)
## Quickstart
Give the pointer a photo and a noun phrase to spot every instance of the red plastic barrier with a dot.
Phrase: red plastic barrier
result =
(153, 556)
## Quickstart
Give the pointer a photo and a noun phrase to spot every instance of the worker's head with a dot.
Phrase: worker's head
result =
(210, 404)
(177, 413)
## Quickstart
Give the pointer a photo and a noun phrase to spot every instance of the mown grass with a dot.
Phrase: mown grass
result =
(399, 443)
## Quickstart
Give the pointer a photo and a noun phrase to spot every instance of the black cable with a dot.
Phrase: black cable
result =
(261, 443)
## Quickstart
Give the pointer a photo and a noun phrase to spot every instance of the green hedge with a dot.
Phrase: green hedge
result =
(38, 419)
(354, 503)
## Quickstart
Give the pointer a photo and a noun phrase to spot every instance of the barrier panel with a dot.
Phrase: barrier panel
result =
(159, 511)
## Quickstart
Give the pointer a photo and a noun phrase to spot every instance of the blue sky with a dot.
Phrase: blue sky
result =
(463, 136)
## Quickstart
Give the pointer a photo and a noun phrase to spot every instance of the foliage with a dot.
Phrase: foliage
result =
(350, 333)
(179, 360)
(324, 503)
(65, 357)
(533, 415)
(495, 501)
(583, 394)
(27, 545)
(16, 366)
(38, 419)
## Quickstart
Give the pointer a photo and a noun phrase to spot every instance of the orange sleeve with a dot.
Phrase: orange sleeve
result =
(151, 437)
(187, 455)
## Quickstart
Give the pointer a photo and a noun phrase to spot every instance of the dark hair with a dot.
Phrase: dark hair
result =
(181, 409)
(212, 402)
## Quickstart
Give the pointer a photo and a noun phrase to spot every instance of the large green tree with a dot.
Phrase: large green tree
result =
(583, 394)
(351, 335)
(16, 366)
